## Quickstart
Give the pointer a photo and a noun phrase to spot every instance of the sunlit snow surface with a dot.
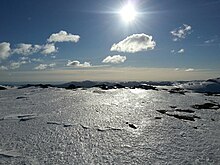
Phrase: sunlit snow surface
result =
(94, 126)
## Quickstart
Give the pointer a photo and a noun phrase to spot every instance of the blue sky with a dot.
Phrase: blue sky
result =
(68, 40)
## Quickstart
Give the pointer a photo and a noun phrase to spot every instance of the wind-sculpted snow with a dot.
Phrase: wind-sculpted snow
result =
(115, 126)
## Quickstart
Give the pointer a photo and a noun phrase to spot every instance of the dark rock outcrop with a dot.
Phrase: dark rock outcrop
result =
(2, 88)
(146, 87)
(177, 90)
(206, 106)
(36, 85)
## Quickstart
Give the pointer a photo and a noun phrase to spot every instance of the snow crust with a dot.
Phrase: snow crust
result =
(117, 126)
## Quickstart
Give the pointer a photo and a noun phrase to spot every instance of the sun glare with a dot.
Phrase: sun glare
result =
(128, 13)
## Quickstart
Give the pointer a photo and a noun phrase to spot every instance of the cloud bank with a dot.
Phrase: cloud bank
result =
(63, 36)
(16, 65)
(115, 59)
(135, 43)
(45, 66)
(77, 64)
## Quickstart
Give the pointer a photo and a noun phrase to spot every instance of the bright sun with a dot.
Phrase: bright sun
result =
(128, 13)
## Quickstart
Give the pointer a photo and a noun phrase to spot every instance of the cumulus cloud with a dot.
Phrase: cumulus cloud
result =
(63, 36)
(4, 50)
(45, 66)
(115, 59)
(48, 49)
(181, 51)
(3, 68)
(135, 43)
(189, 70)
(16, 65)
(77, 64)
(26, 49)
(181, 32)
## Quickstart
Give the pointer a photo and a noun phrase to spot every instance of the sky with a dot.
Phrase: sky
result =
(102, 40)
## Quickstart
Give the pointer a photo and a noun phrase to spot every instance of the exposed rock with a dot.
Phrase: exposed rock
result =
(20, 117)
(206, 106)
(36, 85)
(177, 90)
(67, 124)
(54, 122)
(185, 110)
(99, 91)
(157, 117)
(21, 97)
(103, 86)
(132, 126)
(108, 129)
(211, 94)
(146, 87)
(27, 118)
(162, 111)
(84, 127)
(2, 88)
(184, 117)
(119, 86)
(71, 86)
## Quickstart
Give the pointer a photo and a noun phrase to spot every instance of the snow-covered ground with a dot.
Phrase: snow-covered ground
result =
(117, 126)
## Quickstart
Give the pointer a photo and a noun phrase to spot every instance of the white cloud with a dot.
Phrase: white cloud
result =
(115, 59)
(209, 41)
(135, 43)
(63, 36)
(4, 50)
(189, 70)
(52, 65)
(26, 49)
(78, 64)
(172, 51)
(16, 65)
(45, 66)
(48, 49)
(3, 68)
(36, 60)
(24, 58)
(181, 32)
(181, 51)
(41, 67)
